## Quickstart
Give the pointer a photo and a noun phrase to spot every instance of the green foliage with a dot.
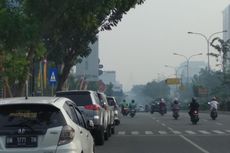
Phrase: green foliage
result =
(156, 89)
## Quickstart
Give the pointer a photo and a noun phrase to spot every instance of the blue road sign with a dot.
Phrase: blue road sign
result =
(53, 76)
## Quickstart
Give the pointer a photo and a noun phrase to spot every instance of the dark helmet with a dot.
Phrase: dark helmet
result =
(193, 99)
(133, 101)
(214, 98)
(124, 100)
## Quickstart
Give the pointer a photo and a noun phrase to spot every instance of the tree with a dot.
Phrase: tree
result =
(156, 89)
(19, 43)
(68, 28)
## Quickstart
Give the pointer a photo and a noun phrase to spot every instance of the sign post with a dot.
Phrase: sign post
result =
(53, 78)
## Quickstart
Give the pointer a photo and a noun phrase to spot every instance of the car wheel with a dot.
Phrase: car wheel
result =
(113, 130)
(106, 134)
(99, 136)
(109, 131)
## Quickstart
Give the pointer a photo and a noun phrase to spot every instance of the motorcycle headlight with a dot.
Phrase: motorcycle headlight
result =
(116, 112)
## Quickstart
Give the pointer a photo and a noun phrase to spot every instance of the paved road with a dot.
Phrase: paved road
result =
(146, 133)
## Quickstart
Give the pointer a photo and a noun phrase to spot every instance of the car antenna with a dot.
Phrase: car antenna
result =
(26, 90)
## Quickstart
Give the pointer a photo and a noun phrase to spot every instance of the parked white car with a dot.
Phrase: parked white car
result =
(43, 125)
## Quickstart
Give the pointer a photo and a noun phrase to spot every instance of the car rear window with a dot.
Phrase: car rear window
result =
(111, 102)
(36, 116)
(80, 98)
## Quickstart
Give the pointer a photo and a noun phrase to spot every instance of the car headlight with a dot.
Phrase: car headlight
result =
(116, 112)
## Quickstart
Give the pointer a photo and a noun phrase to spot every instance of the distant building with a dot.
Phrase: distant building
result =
(89, 65)
(110, 77)
(226, 36)
(194, 68)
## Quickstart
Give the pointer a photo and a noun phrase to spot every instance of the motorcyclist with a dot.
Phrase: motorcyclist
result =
(175, 105)
(132, 105)
(124, 105)
(213, 104)
(193, 106)
(162, 105)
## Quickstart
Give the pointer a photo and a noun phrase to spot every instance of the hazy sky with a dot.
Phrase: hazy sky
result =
(139, 47)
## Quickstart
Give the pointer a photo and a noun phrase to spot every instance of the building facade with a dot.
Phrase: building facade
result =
(88, 68)
(226, 37)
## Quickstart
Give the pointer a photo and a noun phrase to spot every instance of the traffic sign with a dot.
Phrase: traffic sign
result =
(53, 76)
(172, 81)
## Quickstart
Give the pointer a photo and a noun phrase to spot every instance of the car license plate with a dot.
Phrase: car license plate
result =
(21, 141)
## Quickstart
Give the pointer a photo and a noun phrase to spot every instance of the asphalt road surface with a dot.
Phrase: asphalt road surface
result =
(153, 133)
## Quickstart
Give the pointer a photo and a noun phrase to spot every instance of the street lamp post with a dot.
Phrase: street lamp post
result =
(208, 42)
(187, 60)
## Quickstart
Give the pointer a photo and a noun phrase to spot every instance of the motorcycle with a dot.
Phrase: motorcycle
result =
(132, 113)
(194, 117)
(125, 111)
(152, 108)
(213, 114)
(176, 113)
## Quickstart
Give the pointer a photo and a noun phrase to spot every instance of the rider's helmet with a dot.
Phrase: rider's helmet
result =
(175, 101)
(124, 100)
(133, 101)
(193, 99)
(214, 98)
(162, 100)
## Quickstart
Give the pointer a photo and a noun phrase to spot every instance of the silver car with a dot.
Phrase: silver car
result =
(89, 104)
(110, 111)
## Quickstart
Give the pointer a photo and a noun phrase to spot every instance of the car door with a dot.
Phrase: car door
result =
(88, 143)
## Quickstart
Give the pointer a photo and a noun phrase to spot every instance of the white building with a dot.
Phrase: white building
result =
(89, 65)
(110, 77)
(226, 35)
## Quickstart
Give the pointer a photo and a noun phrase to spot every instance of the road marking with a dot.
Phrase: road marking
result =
(163, 124)
(194, 144)
(162, 132)
(204, 132)
(148, 132)
(134, 132)
(121, 133)
(190, 132)
(219, 123)
(176, 132)
(218, 131)
(157, 120)
(227, 131)
(205, 120)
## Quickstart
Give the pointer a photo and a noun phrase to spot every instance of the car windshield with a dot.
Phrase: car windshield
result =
(31, 116)
(164, 64)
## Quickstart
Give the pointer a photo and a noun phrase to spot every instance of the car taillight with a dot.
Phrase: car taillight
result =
(92, 107)
(66, 136)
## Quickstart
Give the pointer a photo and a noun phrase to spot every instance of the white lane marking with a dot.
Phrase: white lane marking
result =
(121, 133)
(204, 132)
(218, 131)
(190, 132)
(176, 132)
(219, 123)
(194, 144)
(148, 132)
(162, 132)
(227, 131)
(134, 132)
(157, 120)
(163, 124)
(205, 120)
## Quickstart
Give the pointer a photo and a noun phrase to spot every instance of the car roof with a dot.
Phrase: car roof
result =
(69, 91)
(31, 100)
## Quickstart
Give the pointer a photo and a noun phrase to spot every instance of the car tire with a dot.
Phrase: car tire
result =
(106, 134)
(99, 136)
(113, 130)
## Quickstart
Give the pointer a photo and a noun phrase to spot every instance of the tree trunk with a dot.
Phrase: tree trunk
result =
(6, 85)
(21, 86)
(68, 63)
